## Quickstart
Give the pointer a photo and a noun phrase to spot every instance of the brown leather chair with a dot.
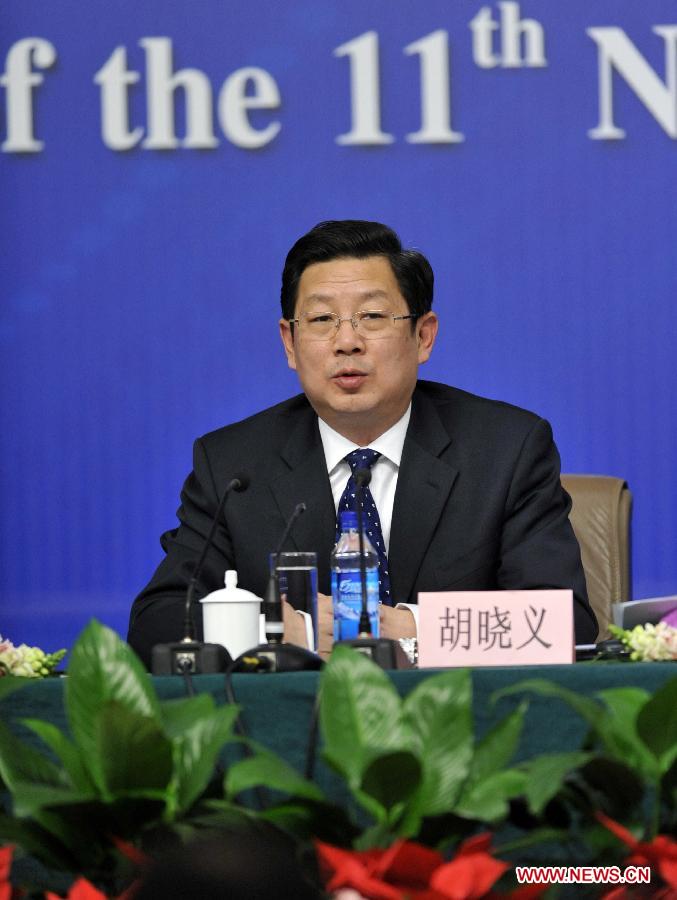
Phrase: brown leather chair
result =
(600, 516)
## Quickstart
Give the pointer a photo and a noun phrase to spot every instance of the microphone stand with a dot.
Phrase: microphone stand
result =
(189, 656)
(362, 479)
(275, 656)
(272, 604)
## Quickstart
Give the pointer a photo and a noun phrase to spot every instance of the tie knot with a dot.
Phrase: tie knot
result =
(361, 459)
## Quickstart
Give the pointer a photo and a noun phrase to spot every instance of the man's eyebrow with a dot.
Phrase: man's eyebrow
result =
(374, 294)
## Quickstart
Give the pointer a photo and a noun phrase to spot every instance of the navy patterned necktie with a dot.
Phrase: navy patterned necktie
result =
(365, 459)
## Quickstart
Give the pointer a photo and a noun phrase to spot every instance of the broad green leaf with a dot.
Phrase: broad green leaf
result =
(611, 786)
(307, 820)
(379, 835)
(499, 745)
(196, 753)
(546, 774)
(37, 842)
(588, 709)
(657, 724)
(65, 751)
(103, 668)
(11, 683)
(303, 819)
(392, 778)
(548, 835)
(439, 712)
(613, 723)
(359, 713)
(668, 794)
(85, 827)
(79, 837)
(223, 814)
(178, 716)
(266, 769)
(487, 799)
(21, 763)
(29, 797)
(134, 752)
(617, 729)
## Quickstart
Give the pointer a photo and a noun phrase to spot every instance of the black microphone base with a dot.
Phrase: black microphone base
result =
(385, 653)
(277, 658)
(189, 656)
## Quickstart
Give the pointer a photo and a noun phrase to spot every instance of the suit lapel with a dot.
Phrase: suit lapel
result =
(423, 486)
(303, 478)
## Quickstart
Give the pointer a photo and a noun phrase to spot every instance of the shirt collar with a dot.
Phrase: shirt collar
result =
(389, 444)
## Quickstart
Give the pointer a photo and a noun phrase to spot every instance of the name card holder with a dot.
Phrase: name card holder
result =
(495, 628)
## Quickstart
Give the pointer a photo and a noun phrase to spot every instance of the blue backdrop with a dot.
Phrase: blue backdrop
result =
(141, 256)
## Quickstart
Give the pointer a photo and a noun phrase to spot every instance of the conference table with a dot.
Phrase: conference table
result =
(277, 709)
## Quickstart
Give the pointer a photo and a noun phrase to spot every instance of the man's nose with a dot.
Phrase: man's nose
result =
(347, 338)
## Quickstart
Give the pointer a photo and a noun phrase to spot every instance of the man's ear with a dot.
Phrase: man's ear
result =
(426, 332)
(287, 336)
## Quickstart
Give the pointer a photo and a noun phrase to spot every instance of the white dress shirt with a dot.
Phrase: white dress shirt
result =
(383, 473)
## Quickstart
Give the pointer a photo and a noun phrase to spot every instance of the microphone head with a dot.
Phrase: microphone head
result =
(240, 482)
(362, 477)
(299, 508)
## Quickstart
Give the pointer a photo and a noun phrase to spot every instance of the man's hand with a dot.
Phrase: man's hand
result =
(294, 626)
(295, 629)
(396, 623)
(325, 625)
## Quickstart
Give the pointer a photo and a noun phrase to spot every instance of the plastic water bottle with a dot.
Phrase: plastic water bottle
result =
(346, 583)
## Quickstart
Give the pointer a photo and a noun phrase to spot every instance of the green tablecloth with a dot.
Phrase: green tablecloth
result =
(277, 709)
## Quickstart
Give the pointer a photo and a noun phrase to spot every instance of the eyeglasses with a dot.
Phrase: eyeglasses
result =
(368, 323)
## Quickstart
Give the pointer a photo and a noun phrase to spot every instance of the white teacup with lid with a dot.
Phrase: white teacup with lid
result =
(230, 617)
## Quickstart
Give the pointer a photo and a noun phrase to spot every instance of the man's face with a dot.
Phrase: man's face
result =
(359, 386)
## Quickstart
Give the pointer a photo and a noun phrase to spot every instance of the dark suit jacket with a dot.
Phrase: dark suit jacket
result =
(478, 506)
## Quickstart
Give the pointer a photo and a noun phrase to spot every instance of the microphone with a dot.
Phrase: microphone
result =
(272, 604)
(276, 656)
(362, 479)
(189, 655)
(239, 483)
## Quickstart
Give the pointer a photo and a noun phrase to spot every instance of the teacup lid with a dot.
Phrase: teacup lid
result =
(231, 593)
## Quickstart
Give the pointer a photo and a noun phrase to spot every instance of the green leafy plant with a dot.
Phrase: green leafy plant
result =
(132, 768)
(412, 766)
(130, 763)
(630, 768)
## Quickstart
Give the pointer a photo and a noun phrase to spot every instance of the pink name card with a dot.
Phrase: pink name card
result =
(495, 628)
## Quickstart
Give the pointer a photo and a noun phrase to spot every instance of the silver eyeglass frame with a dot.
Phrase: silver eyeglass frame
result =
(354, 320)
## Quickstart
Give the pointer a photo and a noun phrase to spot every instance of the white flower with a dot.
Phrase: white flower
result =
(27, 662)
(652, 642)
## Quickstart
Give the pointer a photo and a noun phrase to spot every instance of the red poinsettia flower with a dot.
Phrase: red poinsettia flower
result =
(138, 857)
(402, 870)
(81, 889)
(6, 854)
(410, 870)
(7, 890)
(471, 873)
(660, 853)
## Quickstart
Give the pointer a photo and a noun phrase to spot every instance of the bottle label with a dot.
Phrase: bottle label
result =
(346, 589)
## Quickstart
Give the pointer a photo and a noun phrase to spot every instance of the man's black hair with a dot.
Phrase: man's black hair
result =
(358, 239)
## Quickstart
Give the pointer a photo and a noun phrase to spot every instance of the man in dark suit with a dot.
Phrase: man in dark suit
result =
(467, 489)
